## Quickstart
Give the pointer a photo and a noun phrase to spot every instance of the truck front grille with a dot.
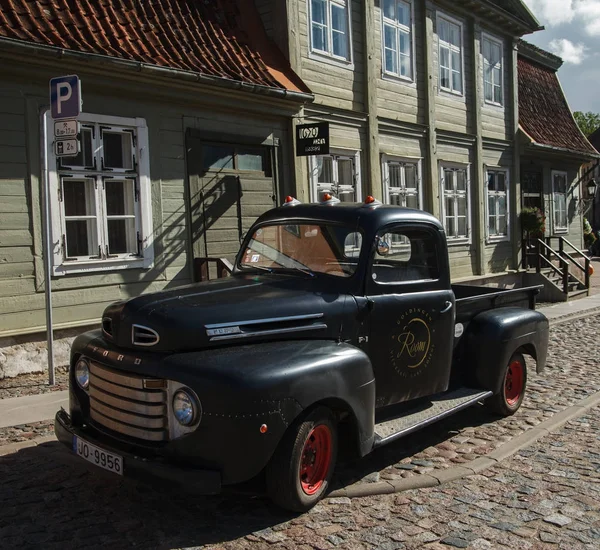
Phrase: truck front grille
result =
(124, 403)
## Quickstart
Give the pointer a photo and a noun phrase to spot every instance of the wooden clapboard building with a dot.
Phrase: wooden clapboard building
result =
(186, 139)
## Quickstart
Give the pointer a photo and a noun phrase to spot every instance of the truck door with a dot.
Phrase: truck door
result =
(412, 314)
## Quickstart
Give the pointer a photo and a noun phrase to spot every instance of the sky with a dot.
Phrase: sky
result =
(572, 31)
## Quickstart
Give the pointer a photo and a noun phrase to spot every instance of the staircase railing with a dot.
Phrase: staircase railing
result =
(202, 268)
(585, 269)
(542, 255)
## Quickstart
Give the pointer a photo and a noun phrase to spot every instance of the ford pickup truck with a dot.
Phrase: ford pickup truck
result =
(338, 321)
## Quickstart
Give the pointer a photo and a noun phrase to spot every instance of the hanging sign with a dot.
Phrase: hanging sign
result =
(312, 139)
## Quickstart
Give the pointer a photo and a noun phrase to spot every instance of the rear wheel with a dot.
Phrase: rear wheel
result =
(299, 472)
(511, 395)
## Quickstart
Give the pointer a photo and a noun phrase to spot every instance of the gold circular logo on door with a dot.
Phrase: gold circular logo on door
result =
(411, 341)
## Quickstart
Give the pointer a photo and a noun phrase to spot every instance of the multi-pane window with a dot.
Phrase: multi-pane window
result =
(330, 27)
(336, 175)
(397, 38)
(450, 56)
(402, 183)
(492, 71)
(497, 204)
(559, 200)
(101, 206)
(455, 202)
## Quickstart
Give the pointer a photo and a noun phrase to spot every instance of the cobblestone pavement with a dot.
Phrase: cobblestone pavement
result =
(546, 496)
(33, 384)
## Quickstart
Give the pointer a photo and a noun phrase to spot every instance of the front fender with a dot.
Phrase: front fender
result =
(273, 383)
(493, 336)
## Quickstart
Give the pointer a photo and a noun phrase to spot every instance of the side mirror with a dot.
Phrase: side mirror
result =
(383, 248)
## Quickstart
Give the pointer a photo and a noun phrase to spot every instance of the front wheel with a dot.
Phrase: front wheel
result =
(511, 395)
(299, 472)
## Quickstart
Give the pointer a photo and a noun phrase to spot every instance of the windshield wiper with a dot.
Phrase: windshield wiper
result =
(304, 270)
(260, 267)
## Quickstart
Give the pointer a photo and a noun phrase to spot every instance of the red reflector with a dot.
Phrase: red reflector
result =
(369, 200)
(263, 429)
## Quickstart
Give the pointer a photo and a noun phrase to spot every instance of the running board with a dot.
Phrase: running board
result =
(439, 407)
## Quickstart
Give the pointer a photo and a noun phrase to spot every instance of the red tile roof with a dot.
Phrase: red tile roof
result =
(544, 114)
(220, 38)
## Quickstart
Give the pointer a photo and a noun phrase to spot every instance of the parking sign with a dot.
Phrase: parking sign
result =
(65, 97)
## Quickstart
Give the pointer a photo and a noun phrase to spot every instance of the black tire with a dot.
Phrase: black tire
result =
(514, 382)
(289, 477)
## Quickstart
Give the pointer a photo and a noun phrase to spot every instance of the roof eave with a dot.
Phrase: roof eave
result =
(138, 66)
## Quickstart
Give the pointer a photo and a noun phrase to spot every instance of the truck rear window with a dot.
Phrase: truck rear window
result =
(319, 248)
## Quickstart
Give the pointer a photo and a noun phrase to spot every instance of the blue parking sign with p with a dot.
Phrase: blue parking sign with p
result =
(65, 97)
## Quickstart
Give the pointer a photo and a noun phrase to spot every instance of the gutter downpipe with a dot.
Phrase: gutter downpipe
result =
(140, 67)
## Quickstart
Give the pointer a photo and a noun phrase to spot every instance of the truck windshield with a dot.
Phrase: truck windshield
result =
(309, 248)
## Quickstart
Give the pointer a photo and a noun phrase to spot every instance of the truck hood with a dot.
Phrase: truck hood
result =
(240, 309)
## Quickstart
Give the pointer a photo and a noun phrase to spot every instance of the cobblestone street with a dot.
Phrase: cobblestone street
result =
(545, 496)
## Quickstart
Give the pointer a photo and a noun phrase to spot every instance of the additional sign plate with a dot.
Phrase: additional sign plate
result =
(66, 147)
(312, 139)
(65, 97)
(66, 128)
(99, 457)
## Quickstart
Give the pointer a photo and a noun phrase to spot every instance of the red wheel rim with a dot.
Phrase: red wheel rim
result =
(513, 383)
(316, 458)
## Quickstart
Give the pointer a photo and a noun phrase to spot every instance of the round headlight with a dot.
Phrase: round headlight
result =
(184, 408)
(82, 374)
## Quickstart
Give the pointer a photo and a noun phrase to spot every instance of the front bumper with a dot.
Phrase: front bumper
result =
(206, 482)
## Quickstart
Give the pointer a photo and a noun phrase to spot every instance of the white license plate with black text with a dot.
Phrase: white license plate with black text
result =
(99, 457)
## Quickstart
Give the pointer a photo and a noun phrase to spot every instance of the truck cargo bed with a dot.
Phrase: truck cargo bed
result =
(471, 299)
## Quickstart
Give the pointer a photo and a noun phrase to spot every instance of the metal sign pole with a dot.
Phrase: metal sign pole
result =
(47, 231)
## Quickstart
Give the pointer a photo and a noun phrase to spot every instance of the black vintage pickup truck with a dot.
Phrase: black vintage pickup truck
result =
(338, 320)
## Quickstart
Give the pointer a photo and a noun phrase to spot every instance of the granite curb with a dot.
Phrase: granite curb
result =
(473, 467)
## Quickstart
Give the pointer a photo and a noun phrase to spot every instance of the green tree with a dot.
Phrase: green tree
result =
(588, 122)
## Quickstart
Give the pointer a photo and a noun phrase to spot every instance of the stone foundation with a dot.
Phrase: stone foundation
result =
(29, 354)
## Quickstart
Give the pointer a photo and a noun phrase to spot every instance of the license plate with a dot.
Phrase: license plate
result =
(99, 457)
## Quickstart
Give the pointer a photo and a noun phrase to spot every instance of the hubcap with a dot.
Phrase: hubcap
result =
(316, 458)
(513, 383)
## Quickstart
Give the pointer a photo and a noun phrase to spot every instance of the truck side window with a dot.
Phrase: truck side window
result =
(405, 255)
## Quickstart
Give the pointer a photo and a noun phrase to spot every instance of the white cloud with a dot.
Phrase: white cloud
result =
(571, 53)
(553, 13)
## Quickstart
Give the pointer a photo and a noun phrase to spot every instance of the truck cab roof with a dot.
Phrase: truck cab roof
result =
(372, 216)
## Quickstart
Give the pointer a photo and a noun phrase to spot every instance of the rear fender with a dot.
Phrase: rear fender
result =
(493, 336)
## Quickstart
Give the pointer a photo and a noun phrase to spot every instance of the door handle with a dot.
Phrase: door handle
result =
(447, 308)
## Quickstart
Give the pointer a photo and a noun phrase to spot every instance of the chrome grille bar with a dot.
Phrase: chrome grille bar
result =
(119, 402)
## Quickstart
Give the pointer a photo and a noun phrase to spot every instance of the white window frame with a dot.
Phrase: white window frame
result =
(494, 42)
(143, 210)
(336, 153)
(467, 193)
(451, 47)
(557, 228)
(497, 194)
(386, 160)
(399, 28)
(327, 55)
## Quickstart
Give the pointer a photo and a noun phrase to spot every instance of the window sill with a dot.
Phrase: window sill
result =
(497, 240)
(450, 94)
(101, 266)
(458, 241)
(493, 106)
(329, 59)
(391, 77)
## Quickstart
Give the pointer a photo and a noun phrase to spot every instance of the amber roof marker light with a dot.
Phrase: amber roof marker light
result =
(372, 201)
(328, 198)
(291, 201)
